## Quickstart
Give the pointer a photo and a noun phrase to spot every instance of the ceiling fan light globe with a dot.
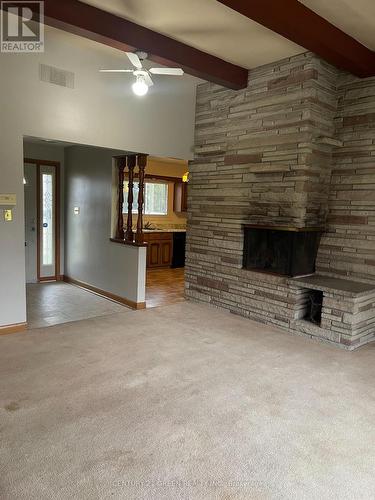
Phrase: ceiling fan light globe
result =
(140, 88)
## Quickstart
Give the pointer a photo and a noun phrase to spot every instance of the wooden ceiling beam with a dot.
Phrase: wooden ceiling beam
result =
(90, 22)
(297, 23)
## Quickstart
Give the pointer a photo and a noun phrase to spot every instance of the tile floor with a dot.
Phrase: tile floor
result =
(57, 302)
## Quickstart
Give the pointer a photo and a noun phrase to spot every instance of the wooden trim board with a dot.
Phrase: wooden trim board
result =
(57, 166)
(104, 27)
(296, 22)
(108, 295)
(48, 163)
(15, 328)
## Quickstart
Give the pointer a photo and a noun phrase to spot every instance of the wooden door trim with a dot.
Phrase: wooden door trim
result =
(38, 222)
(47, 163)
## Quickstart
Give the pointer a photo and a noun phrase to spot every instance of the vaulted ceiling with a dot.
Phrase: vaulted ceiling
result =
(219, 40)
(206, 25)
(212, 27)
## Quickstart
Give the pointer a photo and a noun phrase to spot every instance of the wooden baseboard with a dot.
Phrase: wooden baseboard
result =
(45, 279)
(107, 295)
(15, 328)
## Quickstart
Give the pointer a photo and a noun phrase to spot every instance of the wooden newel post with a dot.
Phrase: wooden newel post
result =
(129, 235)
(120, 219)
(142, 161)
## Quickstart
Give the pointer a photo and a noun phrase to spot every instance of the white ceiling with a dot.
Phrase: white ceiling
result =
(206, 25)
(46, 142)
(214, 28)
(174, 161)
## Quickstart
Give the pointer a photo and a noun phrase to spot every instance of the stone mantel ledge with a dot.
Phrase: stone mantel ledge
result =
(338, 286)
(254, 274)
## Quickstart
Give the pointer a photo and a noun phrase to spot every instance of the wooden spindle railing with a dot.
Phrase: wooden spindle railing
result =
(121, 162)
(131, 161)
(142, 161)
(129, 235)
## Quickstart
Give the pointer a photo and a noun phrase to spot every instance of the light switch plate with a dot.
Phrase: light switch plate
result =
(8, 215)
(76, 210)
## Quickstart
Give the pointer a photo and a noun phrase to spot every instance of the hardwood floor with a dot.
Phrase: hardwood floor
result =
(164, 286)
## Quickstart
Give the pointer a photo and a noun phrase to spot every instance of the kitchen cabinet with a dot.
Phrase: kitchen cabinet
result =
(179, 244)
(180, 197)
(159, 249)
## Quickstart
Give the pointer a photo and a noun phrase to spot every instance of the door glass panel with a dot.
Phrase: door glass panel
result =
(47, 214)
(47, 218)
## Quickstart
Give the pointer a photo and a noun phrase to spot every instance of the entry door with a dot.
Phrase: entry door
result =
(31, 244)
(47, 219)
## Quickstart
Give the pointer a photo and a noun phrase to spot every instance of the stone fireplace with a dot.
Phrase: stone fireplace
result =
(282, 251)
(294, 150)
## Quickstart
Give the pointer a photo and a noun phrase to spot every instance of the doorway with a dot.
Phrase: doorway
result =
(50, 300)
(164, 227)
(42, 220)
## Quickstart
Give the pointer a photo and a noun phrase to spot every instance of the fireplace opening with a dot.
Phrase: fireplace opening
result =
(314, 304)
(288, 252)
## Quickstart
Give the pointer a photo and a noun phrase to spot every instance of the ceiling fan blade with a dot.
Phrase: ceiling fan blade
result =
(134, 59)
(148, 80)
(116, 71)
(167, 71)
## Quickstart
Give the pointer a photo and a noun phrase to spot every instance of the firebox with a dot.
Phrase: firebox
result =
(285, 251)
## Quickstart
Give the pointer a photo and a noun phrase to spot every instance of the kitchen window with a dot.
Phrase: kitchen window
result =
(156, 198)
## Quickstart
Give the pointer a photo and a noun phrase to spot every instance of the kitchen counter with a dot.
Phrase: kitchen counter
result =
(164, 230)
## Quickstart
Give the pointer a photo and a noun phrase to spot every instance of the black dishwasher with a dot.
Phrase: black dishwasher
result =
(179, 241)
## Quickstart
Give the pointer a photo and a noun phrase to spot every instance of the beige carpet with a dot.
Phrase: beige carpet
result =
(183, 402)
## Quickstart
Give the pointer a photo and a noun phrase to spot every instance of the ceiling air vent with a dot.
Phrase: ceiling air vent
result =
(56, 76)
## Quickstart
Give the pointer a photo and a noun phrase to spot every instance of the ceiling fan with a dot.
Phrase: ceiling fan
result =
(143, 79)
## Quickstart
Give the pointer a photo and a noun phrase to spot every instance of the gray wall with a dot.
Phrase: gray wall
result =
(90, 256)
(100, 110)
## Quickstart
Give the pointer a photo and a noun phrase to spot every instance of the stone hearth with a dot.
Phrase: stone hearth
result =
(348, 310)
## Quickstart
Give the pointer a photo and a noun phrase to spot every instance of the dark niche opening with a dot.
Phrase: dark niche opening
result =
(288, 252)
(314, 306)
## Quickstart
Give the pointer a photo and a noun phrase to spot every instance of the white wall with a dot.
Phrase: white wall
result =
(100, 110)
(90, 256)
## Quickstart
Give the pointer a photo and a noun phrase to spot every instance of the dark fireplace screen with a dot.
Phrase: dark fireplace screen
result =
(285, 252)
